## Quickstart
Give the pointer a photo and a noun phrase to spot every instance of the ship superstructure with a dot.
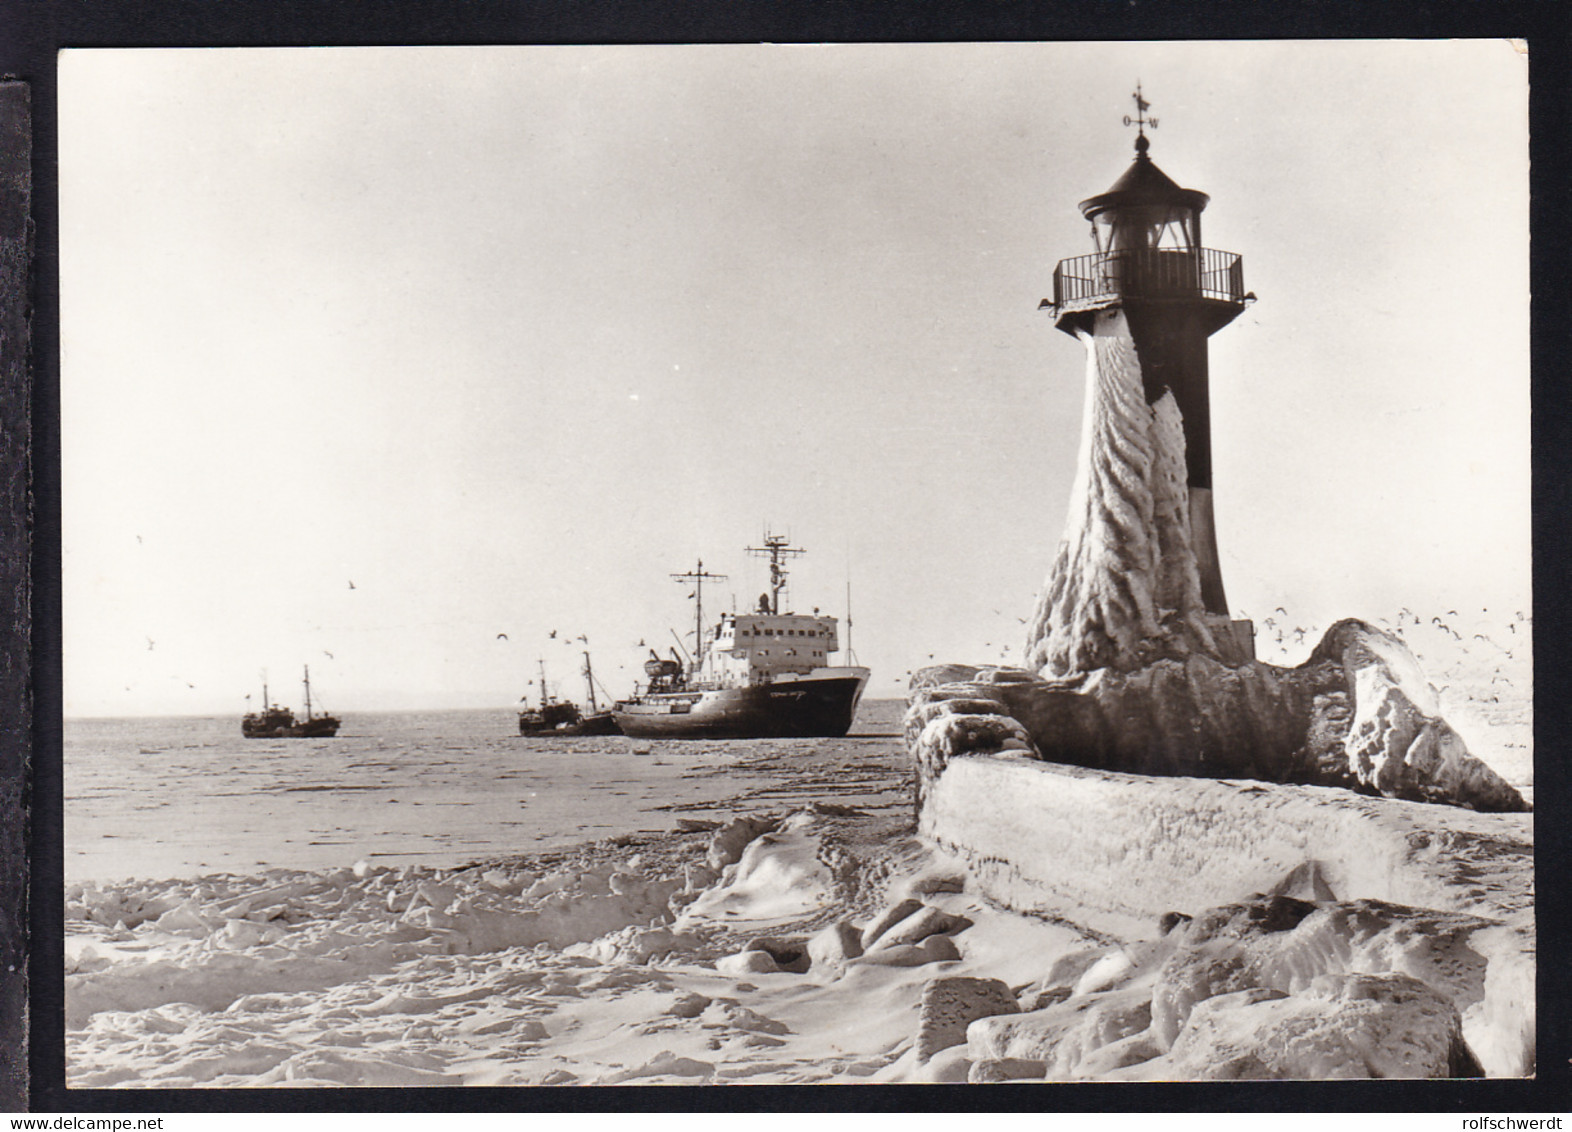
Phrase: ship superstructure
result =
(758, 674)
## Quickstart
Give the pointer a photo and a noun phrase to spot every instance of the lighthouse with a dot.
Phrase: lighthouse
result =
(1150, 265)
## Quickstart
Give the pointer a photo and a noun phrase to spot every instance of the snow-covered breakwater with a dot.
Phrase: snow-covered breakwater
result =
(1123, 849)
(1372, 887)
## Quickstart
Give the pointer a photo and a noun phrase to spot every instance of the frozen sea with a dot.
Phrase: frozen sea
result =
(182, 797)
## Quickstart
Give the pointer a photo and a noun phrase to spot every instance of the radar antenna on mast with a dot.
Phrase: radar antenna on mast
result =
(776, 547)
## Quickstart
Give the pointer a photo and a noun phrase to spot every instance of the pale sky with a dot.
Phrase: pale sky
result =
(506, 336)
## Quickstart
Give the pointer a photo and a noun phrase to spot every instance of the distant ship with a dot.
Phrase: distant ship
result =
(275, 722)
(759, 675)
(561, 717)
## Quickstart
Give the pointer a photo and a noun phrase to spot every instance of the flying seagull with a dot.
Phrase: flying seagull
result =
(502, 636)
(352, 584)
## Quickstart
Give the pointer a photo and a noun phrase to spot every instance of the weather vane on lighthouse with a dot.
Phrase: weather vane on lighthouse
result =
(1140, 121)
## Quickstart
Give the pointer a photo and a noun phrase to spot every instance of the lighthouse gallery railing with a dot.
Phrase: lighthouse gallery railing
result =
(1156, 273)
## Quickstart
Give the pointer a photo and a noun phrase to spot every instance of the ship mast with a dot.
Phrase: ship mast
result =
(308, 691)
(589, 682)
(697, 577)
(542, 663)
(850, 656)
(776, 547)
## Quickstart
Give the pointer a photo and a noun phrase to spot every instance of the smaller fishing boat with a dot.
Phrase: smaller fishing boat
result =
(277, 722)
(563, 717)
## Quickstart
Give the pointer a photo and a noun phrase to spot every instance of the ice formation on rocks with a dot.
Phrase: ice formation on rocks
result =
(1269, 988)
(1356, 714)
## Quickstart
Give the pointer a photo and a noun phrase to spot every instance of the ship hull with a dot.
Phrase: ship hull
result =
(808, 708)
(323, 727)
(600, 723)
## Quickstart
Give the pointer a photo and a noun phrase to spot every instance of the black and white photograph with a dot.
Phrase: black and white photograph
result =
(796, 563)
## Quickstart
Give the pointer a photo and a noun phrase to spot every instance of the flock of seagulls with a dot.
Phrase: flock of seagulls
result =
(350, 585)
(552, 636)
(1280, 634)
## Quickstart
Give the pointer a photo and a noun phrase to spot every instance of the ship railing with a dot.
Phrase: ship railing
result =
(1155, 273)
